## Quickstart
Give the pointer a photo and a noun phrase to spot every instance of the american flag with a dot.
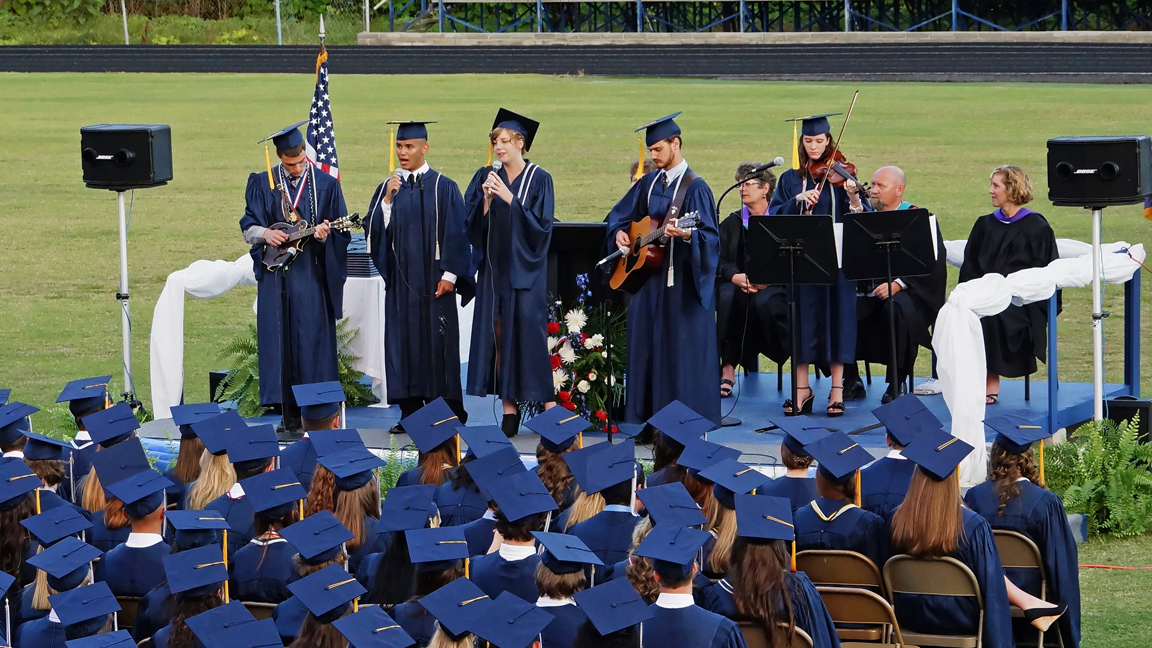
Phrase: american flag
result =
(320, 145)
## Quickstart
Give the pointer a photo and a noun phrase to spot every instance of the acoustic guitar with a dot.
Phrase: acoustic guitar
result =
(279, 257)
(645, 256)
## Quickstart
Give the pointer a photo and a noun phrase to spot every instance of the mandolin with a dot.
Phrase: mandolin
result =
(645, 255)
(281, 256)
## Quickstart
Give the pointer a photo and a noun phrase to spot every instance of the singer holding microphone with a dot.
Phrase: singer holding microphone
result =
(509, 211)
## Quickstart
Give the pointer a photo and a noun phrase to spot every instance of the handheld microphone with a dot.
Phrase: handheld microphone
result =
(496, 166)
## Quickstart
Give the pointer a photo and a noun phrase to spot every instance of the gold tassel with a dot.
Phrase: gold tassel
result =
(356, 605)
(1042, 482)
(857, 487)
(300, 507)
(268, 163)
(793, 555)
(489, 163)
(38, 498)
(640, 165)
(391, 150)
(224, 546)
(466, 570)
(795, 146)
(458, 450)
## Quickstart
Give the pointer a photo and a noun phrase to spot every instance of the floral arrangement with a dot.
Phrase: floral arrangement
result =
(577, 338)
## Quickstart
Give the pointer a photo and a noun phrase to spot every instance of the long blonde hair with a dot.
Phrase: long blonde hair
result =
(641, 575)
(441, 640)
(722, 521)
(92, 498)
(216, 477)
(584, 507)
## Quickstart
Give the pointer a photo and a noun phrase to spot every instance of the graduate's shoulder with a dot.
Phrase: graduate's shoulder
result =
(445, 182)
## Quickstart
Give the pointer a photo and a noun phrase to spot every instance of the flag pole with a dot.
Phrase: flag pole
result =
(322, 34)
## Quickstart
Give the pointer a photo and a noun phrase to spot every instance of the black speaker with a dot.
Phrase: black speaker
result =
(1123, 408)
(1099, 171)
(126, 156)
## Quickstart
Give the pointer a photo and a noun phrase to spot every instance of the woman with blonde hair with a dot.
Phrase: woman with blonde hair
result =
(1011, 238)
(186, 468)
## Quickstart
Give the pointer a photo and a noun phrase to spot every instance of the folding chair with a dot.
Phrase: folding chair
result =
(1019, 552)
(260, 610)
(862, 607)
(840, 568)
(127, 614)
(935, 577)
(755, 638)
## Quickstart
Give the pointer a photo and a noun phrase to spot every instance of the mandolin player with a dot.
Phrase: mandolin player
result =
(672, 348)
(297, 306)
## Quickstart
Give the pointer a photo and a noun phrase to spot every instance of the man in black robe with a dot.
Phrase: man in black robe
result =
(418, 243)
(296, 306)
(916, 301)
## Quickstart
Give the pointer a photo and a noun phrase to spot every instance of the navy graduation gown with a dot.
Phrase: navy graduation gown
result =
(510, 250)
(479, 534)
(827, 313)
(952, 615)
(690, 627)
(808, 610)
(175, 493)
(366, 571)
(150, 613)
(300, 458)
(23, 611)
(103, 538)
(459, 505)
(608, 534)
(371, 541)
(493, 574)
(847, 528)
(40, 633)
(133, 571)
(238, 514)
(1038, 514)
(261, 569)
(424, 238)
(883, 485)
(672, 349)
(801, 491)
(289, 616)
(561, 631)
(415, 620)
(314, 284)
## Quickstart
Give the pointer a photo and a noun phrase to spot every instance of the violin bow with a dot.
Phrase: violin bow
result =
(836, 145)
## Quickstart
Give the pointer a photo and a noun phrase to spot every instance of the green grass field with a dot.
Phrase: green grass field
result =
(59, 266)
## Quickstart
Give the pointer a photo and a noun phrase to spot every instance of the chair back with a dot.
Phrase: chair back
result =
(260, 610)
(839, 568)
(755, 637)
(127, 614)
(945, 576)
(860, 606)
(1017, 550)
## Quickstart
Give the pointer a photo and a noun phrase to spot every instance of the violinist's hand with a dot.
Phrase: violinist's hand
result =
(623, 240)
(851, 187)
(810, 197)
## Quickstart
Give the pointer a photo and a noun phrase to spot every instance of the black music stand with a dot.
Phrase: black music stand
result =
(792, 251)
(886, 245)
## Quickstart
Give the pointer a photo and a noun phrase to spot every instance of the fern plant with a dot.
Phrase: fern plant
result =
(1103, 473)
(396, 464)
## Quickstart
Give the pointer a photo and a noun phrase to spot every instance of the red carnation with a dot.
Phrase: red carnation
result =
(555, 361)
(553, 328)
(615, 430)
(564, 396)
(602, 415)
(569, 405)
(583, 337)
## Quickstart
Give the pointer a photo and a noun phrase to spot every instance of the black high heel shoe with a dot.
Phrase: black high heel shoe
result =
(1042, 618)
(805, 406)
(510, 425)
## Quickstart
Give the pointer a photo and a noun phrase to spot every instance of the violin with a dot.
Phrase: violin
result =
(836, 169)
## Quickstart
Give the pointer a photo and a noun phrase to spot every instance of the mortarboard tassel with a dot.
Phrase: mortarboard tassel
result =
(224, 547)
(795, 146)
(268, 163)
(356, 605)
(639, 165)
(391, 150)
(1042, 482)
(857, 487)
(38, 498)
(489, 162)
(793, 555)
(466, 570)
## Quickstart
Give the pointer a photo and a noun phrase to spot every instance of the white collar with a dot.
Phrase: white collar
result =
(895, 454)
(618, 508)
(1020, 479)
(545, 601)
(143, 540)
(305, 436)
(424, 168)
(50, 488)
(676, 171)
(266, 542)
(512, 553)
(52, 618)
(19, 454)
(82, 435)
(236, 492)
(488, 515)
(671, 601)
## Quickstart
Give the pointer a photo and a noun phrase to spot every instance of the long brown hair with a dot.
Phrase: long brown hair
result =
(826, 488)
(50, 471)
(187, 468)
(92, 497)
(640, 572)
(322, 493)
(665, 451)
(930, 521)
(114, 515)
(181, 608)
(722, 521)
(1005, 468)
(760, 583)
(314, 634)
(434, 462)
(13, 536)
(554, 471)
(804, 152)
(701, 492)
(353, 506)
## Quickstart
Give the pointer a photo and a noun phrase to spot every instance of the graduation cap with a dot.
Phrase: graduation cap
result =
(118, 639)
(318, 537)
(327, 591)
(814, 124)
(195, 572)
(6, 581)
(678, 422)
(614, 465)
(253, 447)
(613, 606)
(764, 518)
(699, 455)
(437, 549)
(565, 554)
(286, 138)
(66, 563)
(457, 606)
(327, 442)
(578, 461)
(111, 426)
(16, 481)
(318, 401)
(214, 432)
(730, 477)
(483, 440)
(120, 462)
(486, 470)
(937, 453)
(42, 448)
(54, 524)
(839, 456)
(85, 607)
(800, 431)
(371, 627)
(85, 395)
(410, 130)
(905, 417)
(142, 493)
(672, 549)
(519, 123)
(185, 415)
(660, 130)
(1016, 434)
(234, 625)
(671, 504)
(274, 493)
(197, 528)
(521, 497)
(352, 468)
(406, 508)
(431, 425)
(14, 421)
(511, 622)
(558, 428)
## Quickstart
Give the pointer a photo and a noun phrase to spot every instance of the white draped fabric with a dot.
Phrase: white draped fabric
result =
(958, 338)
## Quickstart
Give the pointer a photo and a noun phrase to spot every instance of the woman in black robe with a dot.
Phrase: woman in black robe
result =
(1009, 239)
(751, 319)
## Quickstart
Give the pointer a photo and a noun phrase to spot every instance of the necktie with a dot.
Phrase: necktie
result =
(664, 178)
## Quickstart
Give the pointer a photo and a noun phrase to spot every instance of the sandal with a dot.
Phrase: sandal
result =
(805, 407)
(991, 399)
(726, 388)
(836, 408)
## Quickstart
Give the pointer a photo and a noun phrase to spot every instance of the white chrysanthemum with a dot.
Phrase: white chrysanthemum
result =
(576, 320)
(583, 386)
(552, 342)
(592, 377)
(590, 344)
(597, 339)
(567, 355)
(559, 377)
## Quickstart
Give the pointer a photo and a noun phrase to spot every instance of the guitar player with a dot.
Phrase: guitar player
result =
(297, 308)
(672, 348)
